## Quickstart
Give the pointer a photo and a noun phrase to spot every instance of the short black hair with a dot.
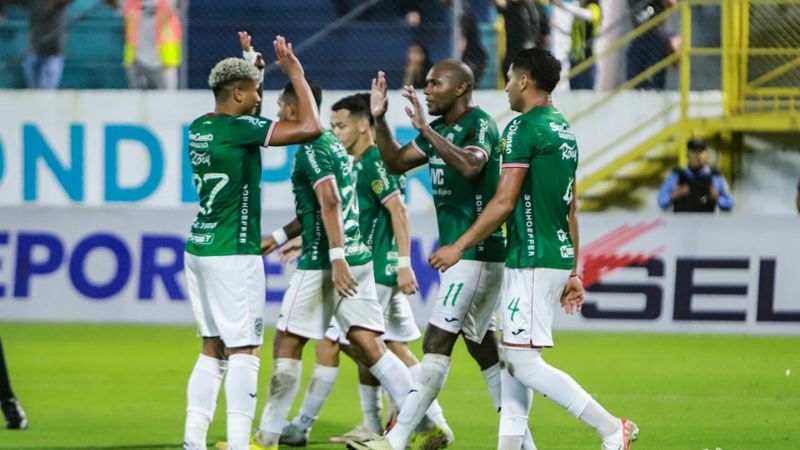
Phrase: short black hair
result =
(288, 90)
(357, 105)
(541, 65)
(696, 144)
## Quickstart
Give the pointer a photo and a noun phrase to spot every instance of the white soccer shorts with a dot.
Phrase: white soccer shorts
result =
(529, 300)
(397, 316)
(467, 298)
(311, 301)
(227, 295)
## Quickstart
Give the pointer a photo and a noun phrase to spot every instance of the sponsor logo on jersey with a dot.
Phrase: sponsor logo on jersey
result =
(567, 251)
(564, 130)
(562, 235)
(436, 160)
(484, 127)
(256, 121)
(312, 158)
(569, 151)
(510, 132)
(377, 186)
(457, 128)
(450, 137)
(201, 239)
(199, 158)
(527, 205)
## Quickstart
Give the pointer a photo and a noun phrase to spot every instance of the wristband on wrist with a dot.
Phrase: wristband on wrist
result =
(280, 236)
(249, 56)
(335, 253)
(403, 261)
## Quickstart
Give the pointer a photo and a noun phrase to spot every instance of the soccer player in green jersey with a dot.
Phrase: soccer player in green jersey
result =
(223, 263)
(383, 222)
(460, 150)
(536, 193)
(334, 277)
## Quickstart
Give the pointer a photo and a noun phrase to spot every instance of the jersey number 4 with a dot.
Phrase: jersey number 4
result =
(219, 181)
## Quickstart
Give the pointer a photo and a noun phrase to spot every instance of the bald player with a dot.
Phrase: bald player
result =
(461, 150)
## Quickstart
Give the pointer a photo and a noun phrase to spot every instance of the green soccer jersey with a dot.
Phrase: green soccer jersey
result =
(459, 201)
(538, 229)
(375, 187)
(226, 166)
(315, 162)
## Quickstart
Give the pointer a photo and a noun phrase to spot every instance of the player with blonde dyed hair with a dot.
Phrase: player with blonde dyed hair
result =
(224, 268)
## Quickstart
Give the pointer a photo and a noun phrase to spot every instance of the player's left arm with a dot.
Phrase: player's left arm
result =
(406, 279)
(573, 296)
(501, 205)
(468, 161)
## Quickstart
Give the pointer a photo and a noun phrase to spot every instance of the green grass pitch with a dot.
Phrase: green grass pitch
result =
(123, 386)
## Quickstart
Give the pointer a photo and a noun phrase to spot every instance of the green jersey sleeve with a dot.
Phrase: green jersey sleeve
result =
(517, 144)
(315, 160)
(421, 146)
(252, 130)
(480, 137)
(382, 185)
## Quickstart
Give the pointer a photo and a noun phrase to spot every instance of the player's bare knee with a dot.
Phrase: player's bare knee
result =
(213, 347)
(367, 345)
(403, 352)
(254, 350)
(438, 341)
(327, 352)
(484, 353)
(288, 345)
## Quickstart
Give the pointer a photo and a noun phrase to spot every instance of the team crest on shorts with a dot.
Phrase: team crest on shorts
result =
(258, 324)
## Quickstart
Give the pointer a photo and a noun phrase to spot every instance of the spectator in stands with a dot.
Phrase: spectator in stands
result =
(696, 188)
(152, 50)
(652, 46)
(44, 64)
(418, 63)
(585, 27)
(473, 54)
(524, 27)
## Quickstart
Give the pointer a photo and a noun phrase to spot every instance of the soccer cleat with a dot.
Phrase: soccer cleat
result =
(294, 436)
(254, 445)
(376, 442)
(623, 440)
(358, 434)
(15, 416)
(430, 440)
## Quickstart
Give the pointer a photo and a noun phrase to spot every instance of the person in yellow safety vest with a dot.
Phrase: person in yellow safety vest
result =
(152, 51)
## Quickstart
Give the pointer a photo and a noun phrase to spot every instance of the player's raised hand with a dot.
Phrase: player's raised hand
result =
(287, 60)
(415, 112)
(445, 257)
(268, 245)
(245, 40)
(573, 296)
(378, 100)
(407, 280)
(343, 279)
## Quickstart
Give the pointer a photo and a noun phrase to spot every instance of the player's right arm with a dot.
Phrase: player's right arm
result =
(280, 236)
(331, 209)
(573, 296)
(308, 126)
(398, 159)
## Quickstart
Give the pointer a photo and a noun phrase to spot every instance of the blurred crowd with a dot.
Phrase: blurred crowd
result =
(153, 37)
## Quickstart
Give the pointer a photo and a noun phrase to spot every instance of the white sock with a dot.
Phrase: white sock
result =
(427, 386)
(493, 383)
(601, 420)
(516, 401)
(201, 398)
(322, 381)
(435, 411)
(394, 377)
(241, 387)
(530, 369)
(371, 407)
(283, 386)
